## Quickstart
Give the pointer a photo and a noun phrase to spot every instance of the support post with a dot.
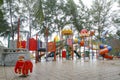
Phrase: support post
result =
(18, 33)
(55, 56)
(36, 54)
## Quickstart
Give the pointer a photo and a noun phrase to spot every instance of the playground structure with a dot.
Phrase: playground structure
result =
(104, 51)
(50, 49)
(85, 41)
(68, 42)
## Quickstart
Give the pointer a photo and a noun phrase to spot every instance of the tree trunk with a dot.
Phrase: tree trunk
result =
(12, 30)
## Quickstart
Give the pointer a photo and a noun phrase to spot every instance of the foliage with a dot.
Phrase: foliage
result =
(100, 12)
(13, 10)
(71, 14)
(1, 2)
(56, 14)
(118, 33)
(49, 14)
(84, 16)
(4, 28)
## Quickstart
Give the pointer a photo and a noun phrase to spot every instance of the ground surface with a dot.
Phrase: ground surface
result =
(68, 70)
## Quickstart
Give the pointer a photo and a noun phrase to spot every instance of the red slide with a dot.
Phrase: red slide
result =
(104, 51)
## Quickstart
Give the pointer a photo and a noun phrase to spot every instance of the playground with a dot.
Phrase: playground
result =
(61, 59)
(59, 40)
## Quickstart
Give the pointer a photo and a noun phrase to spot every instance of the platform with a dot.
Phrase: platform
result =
(68, 70)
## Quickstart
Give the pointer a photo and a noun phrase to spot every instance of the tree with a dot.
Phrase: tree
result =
(4, 28)
(58, 13)
(13, 10)
(77, 15)
(28, 4)
(71, 14)
(118, 33)
(84, 18)
(118, 1)
(100, 12)
(49, 14)
(1, 2)
(116, 16)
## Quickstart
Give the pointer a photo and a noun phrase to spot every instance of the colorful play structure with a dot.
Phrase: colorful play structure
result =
(66, 46)
(104, 50)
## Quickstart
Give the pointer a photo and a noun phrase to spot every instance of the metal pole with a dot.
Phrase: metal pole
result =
(18, 35)
(46, 39)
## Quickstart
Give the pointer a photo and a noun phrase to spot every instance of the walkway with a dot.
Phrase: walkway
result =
(68, 70)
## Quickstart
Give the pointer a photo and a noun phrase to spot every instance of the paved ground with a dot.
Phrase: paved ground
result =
(68, 70)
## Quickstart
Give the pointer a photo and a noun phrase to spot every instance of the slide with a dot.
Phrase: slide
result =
(77, 54)
(41, 55)
(104, 51)
(51, 54)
